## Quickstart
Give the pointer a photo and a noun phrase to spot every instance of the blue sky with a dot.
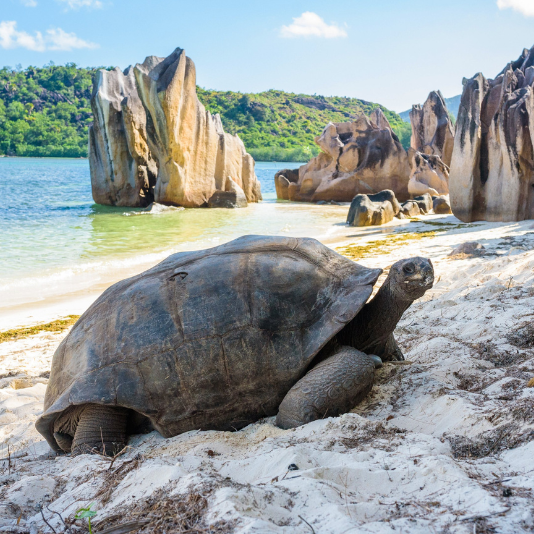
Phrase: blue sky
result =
(388, 51)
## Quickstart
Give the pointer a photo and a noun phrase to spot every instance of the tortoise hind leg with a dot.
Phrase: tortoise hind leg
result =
(333, 387)
(65, 427)
(64, 441)
(101, 429)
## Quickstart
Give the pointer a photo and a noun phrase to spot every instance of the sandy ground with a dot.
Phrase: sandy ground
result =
(444, 443)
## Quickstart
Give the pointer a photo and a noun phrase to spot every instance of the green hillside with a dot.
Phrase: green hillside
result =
(46, 112)
(279, 126)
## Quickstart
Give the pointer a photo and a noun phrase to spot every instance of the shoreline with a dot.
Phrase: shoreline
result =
(70, 289)
(87, 159)
(370, 239)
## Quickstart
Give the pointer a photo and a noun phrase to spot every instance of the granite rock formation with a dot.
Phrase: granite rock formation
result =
(365, 157)
(232, 197)
(359, 157)
(492, 169)
(432, 129)
(425, 203)
(282, 180)
(152, 140)
(373, 210)
(441, 205)
(428, 174)
(410, 209)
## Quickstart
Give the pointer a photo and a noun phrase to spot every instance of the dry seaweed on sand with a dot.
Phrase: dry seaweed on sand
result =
(384, 245)
(115, 477)
(370, 433)
(522, 337)
(162, 513)
(491, 442)
(54, 326)
(446, 225)
(497, 356)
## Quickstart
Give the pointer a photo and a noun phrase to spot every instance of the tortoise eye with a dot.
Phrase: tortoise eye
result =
(409, 268)
(178, 276)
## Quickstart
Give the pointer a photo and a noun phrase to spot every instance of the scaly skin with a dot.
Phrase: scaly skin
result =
(92, 428)
(101, 429)
(334, 386)
(371, 331)
(341, 380)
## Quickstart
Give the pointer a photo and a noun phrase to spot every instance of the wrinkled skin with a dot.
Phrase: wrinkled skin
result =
(371, 331)
(346, 374)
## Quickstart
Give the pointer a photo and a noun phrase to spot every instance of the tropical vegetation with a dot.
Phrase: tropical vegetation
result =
(46, 112)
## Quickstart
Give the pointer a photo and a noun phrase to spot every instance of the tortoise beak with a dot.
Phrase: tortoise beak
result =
(428, 274)
(424, 276)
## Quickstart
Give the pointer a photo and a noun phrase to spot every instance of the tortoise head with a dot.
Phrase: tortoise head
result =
(411, 278)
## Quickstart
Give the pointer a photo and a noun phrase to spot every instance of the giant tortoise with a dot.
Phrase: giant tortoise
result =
(219, 338)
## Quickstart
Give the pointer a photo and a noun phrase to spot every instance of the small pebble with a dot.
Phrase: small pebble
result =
(507, 492)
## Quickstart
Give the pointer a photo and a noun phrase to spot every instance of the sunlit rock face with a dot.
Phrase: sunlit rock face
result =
(428, 174)
(432, 128)
(373, 210)
(492, 176)
(366, 157)
(359, 157)
(152, 140)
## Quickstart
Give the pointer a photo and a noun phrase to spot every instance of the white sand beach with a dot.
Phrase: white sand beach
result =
(442, 444)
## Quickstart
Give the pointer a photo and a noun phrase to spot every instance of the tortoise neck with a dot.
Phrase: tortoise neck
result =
(371, 329)
(386, 308)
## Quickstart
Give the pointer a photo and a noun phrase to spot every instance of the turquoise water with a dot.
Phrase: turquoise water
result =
(48, 217)
(54, 240)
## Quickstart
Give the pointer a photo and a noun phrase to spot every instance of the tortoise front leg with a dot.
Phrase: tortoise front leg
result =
(101, 429)
(333, 387)
(395, 351)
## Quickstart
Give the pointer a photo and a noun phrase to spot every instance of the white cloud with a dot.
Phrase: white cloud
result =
(61, 40)
(29, 3)
(77, 4)
(55, 39)
(312, 25)
(526, 7)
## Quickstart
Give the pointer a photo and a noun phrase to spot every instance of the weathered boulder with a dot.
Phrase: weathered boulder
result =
(410, 209)
(441, 205)
(491, 176)
(359, 157)
(386, 196)
(226, 199)
(424, 202)
(282, 179)
(152, 140)
(428, 174)
(232, 197)
(373, 210)
(432, 128)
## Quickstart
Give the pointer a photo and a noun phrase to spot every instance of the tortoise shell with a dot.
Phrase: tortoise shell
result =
(212, 339)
